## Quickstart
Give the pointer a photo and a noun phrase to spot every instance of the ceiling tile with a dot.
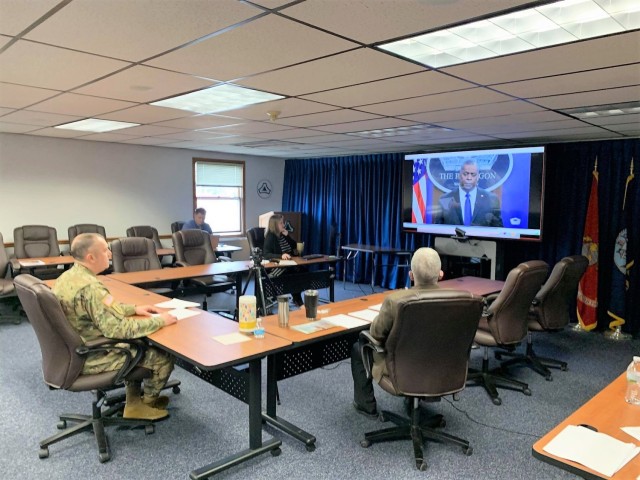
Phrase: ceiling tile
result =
(248, 128)
(601, 97)
(38, 118)
(366, 125)
(112, 28)
(19, 96)
(146, 114)
(4, 40)
(4, 111)
(192, 135)
(200, 121)
(109, 136)
(371, 21)
(80, 105)
(6, 127)
(441, 101)
(616, 119)
(16, 15)
(322, 139)
(43, 66)
(150, 141)
(477, 111)
(574, 82)
(362, 65)
(150, 130)
(573, 57)
(288, 107)
(327, 118)
(406, 86)
(144, 84)
(217, 57)
(58, 132)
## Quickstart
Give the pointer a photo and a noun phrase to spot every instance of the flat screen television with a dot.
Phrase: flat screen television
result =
(482, 193)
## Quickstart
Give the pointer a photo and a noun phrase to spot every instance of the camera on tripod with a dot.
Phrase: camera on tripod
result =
(256, 256)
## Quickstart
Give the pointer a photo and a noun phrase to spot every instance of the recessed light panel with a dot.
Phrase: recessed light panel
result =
(552, 24)
(217, 99)
(96, 125)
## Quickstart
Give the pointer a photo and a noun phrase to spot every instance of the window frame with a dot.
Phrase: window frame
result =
(194, 163)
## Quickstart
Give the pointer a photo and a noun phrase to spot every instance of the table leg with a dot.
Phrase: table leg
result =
(256, 446)
(271, 416)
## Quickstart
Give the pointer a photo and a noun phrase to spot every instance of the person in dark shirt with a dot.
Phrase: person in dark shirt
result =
(278, 244)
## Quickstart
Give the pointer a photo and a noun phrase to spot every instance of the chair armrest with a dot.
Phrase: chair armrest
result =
(15, 266)
(368, 345)
(181, 264)
(489, 299)
(104, 344)
(222, 258)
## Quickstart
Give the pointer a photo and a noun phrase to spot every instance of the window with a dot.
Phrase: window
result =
(218, 187)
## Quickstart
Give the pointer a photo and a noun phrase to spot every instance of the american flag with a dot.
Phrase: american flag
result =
(419, 191)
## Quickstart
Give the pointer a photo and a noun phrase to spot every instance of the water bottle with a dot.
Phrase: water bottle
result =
(633, 382)
(259, 330)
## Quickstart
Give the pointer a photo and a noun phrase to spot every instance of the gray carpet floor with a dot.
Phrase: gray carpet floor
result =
(206, 424)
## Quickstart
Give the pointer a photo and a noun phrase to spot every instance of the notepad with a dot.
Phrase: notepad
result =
(367, 315)
(633, 431)
(31, 263)
(313, 327)
(345, 321)
(595, 450)
(177, 303)
(231, 338)
(376, 307)
(287, 263)
(182, 313)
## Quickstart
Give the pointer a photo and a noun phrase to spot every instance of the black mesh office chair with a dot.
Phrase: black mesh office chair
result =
(504, 325)
(426, 357)
(63, 354)
(550, 312)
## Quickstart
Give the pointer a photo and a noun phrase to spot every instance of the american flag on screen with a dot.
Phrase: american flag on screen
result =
(418, 209)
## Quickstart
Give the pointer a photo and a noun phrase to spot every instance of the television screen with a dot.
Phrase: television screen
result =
(486, 193)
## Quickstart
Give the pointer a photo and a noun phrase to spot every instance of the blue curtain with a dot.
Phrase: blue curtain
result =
(361, 198)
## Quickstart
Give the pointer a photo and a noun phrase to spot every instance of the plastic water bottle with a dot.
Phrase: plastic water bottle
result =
(633, 382)
(259, 332)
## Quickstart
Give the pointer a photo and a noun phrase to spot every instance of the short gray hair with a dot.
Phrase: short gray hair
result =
(425, 265)
(82, 244)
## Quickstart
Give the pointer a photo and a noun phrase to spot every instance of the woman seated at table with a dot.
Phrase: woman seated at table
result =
(278, 244)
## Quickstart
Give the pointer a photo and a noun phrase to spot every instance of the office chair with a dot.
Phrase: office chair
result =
(426, 357)
(75, 230)
(30, 241)
(7, 289)
(255, 237)
(137, 254)
(145, 231)
(63, 356)
(504, 325)
(176, 226)
(193, 247)
(550, 312)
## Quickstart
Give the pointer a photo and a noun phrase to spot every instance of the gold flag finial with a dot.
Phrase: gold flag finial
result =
(595, 166)
(631, 172)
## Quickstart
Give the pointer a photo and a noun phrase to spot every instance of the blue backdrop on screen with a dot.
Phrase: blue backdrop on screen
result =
(515, 192)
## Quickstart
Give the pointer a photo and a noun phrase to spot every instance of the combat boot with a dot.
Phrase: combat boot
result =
(160, 401)
(135, 408)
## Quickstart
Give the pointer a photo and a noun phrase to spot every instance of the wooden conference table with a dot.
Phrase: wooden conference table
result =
(607, 412)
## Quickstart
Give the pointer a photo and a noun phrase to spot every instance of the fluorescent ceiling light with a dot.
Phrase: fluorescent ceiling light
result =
(393, 132)
(96, 125)
(627, 108)
(217, 99)
(552, 24)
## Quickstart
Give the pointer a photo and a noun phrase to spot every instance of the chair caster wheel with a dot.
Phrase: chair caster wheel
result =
(62, 424)
(365, 443)
(176, 390)
(468, 451)
(149, 429)
(311, 447)
(104, 457)
(549, 378)
(497, 401)
(563, 368)
(44, 452)
(421, 465)
(527, 392)
(276, 452)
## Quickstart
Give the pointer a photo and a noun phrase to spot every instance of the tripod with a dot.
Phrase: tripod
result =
(255, 272)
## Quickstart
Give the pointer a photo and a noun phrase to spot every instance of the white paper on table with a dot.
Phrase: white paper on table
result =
(287, 263)
(595, 450)
(345, 321)
(231, 338)
(177, 303)
(31, 263)
(312, 327)
(182, 313)
(366, 314)
(633, 431)
(376, 307)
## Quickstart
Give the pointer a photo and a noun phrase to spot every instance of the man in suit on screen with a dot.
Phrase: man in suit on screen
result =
(468, 204)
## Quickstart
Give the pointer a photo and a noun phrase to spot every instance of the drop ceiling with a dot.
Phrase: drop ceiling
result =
(63, 61)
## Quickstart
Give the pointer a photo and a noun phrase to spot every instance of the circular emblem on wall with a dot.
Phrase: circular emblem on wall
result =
(264, 188)
(493, 170)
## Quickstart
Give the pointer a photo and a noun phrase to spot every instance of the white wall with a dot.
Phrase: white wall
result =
(61, 182)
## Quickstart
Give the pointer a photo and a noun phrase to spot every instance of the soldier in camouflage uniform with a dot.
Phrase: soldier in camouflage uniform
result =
(93, 313)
